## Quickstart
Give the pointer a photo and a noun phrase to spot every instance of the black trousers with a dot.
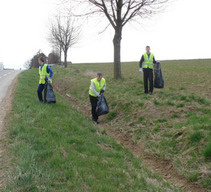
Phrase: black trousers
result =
(148, 77)
(39, 91)
(93, 101)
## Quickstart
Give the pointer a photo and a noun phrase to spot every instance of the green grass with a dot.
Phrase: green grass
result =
(55, 148)
(207, 151)
(182, 106)
(196, 137)
(112, 115)
(175, 115)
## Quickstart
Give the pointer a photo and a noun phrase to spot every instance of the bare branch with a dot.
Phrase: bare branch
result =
(64, 34)
(119, 13)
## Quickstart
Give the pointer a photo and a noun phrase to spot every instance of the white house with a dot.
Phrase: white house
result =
(1, 66)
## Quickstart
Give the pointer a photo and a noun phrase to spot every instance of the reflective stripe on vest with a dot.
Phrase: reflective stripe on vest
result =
(98, 86)
(43, 73)
(148, 61)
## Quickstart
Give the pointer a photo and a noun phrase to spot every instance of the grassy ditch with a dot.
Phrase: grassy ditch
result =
(174, 123)
(55, 148)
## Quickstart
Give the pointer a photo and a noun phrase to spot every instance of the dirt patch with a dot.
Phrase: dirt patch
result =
(5, 108)
(90, 74)
(162, 166)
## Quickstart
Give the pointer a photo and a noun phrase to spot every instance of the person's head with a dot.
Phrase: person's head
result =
(99, 76)
(148, 49)
(41, 60)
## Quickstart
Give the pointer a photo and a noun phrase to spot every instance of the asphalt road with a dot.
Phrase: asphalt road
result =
(6, 77)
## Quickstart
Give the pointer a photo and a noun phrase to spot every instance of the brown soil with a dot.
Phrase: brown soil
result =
(5, 108)
(162, 166)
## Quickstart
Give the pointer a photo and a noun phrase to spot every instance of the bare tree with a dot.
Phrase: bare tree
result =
(53, 57)
(26, 64)
(119, 13)
(57, 48)
(63, 35)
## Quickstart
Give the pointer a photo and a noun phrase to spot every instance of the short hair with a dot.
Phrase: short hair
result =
(99, 74)
(42, 59)
(147, 46)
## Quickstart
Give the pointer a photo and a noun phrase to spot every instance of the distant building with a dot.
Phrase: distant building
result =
(1, 66)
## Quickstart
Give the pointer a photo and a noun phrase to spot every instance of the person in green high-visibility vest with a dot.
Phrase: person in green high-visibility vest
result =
(146, 65)
(45, 72)
(98, 86)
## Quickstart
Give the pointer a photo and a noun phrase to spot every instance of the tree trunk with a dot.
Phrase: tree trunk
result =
(117, 53)
(60, 54)
(65, 59)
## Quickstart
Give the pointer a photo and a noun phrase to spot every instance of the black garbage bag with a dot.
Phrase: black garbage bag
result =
(49, 96)
(102, 105)
(158, 80)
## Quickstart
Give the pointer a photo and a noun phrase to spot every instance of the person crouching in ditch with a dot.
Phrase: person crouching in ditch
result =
(98, 86)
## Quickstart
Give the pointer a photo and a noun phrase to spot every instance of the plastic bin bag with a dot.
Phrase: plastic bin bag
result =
(49, 96)
(158, 80)
(102, 106)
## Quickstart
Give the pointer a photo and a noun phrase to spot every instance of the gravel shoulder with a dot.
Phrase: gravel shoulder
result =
(5, 108)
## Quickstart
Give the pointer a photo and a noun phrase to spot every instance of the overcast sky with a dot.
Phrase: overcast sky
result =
(183, 31)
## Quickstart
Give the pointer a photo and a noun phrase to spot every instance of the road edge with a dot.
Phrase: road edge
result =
(6, 106)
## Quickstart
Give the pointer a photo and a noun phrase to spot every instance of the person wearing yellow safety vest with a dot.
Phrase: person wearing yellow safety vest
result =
(44, 71)
(146, 66)
(98, 86)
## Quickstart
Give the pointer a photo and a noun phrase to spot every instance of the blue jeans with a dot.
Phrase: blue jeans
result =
(39, 92)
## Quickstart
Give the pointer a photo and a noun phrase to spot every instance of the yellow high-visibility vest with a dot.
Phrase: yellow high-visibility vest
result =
(148, 61)
(43, 73)
(98, 86)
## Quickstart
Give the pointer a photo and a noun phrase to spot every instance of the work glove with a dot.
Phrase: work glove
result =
(102, 91)
(141, 70)
(49, 80)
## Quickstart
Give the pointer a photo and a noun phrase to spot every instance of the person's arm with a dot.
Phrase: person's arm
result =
(141, 61)
(104, 88)
(154, 60)
(49, 70)
(94, 90)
